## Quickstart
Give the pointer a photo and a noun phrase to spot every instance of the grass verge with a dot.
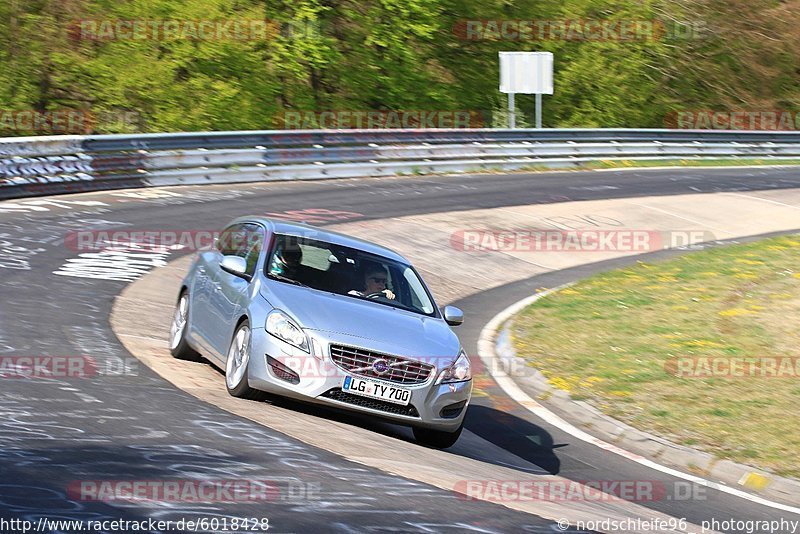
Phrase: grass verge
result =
(721, 162)
(634, 164)
(614, 340)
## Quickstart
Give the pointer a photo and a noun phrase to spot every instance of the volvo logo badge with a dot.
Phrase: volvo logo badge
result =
(380, 366)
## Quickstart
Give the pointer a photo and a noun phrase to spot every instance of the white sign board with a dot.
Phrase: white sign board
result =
(526, 72)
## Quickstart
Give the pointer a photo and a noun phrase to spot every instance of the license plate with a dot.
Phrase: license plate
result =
(375, 390)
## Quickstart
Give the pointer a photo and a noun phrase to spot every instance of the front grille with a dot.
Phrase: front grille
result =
(398, 370)
(374, 404)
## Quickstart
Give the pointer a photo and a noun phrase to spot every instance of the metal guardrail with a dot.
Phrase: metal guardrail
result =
(63, 164)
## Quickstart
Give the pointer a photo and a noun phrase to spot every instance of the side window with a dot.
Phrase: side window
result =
(255, 242)
(233, 241)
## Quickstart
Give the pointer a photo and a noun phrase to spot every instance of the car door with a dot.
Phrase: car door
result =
(199, 293)
(230, 295)
(204, 316)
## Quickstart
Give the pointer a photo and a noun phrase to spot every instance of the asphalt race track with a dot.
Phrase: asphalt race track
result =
(137, 426)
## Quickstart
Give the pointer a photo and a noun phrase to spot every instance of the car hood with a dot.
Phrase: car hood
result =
(414, 334)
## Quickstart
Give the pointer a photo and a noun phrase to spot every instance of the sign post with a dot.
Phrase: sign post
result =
(512, 111)
(526, 73)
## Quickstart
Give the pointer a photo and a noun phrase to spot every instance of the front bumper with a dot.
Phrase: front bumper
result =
(315, 378)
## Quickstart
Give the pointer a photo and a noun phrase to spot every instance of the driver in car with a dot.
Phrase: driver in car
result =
(375, 280)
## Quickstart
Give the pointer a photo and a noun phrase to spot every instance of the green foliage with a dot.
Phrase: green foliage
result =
(411, 55)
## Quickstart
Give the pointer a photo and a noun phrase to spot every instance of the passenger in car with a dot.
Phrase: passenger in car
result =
(288, 262)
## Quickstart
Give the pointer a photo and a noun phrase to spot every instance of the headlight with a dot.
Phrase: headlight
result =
(280, 326)
(458, 372)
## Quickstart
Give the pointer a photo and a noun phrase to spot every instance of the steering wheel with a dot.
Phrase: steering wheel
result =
(375, 295)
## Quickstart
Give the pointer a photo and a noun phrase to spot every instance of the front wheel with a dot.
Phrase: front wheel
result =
(236, 366)
(437, 439)
(178, 346)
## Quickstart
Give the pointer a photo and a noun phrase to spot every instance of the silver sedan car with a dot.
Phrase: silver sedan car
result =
(299, 311)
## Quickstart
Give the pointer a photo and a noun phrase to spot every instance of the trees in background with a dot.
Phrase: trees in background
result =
(325, 55)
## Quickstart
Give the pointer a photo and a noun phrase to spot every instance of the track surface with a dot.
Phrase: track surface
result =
(139, 427)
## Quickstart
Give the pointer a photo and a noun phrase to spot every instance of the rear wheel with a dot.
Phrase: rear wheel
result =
(178, 346)
(236, 366)
(437, 439)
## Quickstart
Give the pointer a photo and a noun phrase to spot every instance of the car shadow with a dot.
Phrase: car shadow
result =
(521, 438)
(524, 446)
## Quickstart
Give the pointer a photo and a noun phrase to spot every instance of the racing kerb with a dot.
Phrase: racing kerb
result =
(34, 166)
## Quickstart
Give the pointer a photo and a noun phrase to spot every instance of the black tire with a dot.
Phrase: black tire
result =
(179, 346)
(437, 439)
(238, 386)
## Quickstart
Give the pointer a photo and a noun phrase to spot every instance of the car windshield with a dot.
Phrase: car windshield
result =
(347, 271)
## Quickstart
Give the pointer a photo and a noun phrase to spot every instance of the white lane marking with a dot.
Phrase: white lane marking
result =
(678, 216)
(754, 197)
(123, 263)
(595, 188)
(487, 353)
(87, 398)
(146, 338)
(26, 206)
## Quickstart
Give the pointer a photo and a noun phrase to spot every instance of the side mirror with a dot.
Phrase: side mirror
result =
(236, 266)
(453, 316)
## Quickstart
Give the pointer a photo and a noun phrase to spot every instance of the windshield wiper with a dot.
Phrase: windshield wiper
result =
(286, 279)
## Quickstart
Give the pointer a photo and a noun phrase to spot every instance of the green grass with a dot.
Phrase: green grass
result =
(626, 164)
(634, 164)
(689, 162)
(609, 338)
